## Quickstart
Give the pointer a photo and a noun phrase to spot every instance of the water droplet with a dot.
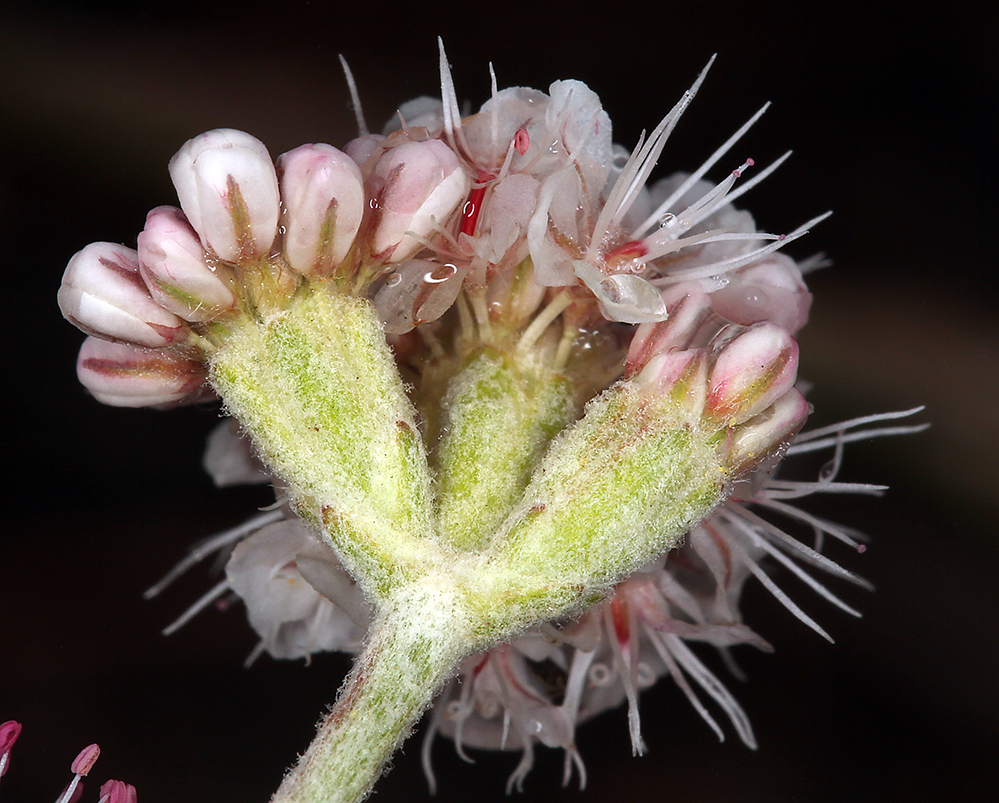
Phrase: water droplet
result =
(600, 675)
(646, 675)
(441, 274)
(282, 230)
(487, 708)
(667, 219)
(393, 280)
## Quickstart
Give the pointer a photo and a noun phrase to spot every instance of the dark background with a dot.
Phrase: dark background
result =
(891, 118)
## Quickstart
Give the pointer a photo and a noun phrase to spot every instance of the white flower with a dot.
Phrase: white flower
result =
(268, 571)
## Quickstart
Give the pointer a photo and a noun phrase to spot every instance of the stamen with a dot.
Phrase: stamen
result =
(783, 598)
(206, 599)
(709, 203)
(658, 641)
(782, 539)
(733, 263)
(694, 177)
(638, 167)
(714, 687)
(748, 185)
(800, 573)
(840, 428)
(835, 530)
(355, 98)
(451, 111)
(211, 545)
(425, 755)
(542, 320)
(521, 141)
(82, 764)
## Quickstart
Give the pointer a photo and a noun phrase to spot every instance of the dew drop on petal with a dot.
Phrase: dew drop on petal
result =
(600, 675)
(441, 274)
(646, 675)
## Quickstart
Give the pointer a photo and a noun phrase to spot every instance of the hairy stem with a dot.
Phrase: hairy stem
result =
(415, 645)
(316, 388)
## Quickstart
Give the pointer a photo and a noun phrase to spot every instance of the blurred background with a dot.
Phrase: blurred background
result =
(887, 113)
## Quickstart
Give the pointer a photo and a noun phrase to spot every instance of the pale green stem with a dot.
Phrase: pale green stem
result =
(499, 418)
(413, 648)
(316, 388)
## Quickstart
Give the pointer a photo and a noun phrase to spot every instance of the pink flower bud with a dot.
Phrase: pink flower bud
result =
(126, 376)
(117, 792)
(751, 372)
(171, 261)
(362, 148)
(416, 186)
(769, 433)
(228, 189)
(323, 194)
(681, 374)
(684, 317)
(103, 294)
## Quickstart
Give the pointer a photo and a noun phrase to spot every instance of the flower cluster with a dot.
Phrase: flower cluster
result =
(595, 380)
(411, 218)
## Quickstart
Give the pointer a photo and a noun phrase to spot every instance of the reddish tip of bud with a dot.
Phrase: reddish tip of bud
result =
(85, 761)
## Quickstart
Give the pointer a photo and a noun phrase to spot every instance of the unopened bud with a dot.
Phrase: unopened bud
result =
(416, 186)
(674, 333)
(323, 195)
(361, 149)
(769, 433)
(126, 376)
(228, 189)
(679, 374)
(751, 372)
(171, 260)
(103, 294)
